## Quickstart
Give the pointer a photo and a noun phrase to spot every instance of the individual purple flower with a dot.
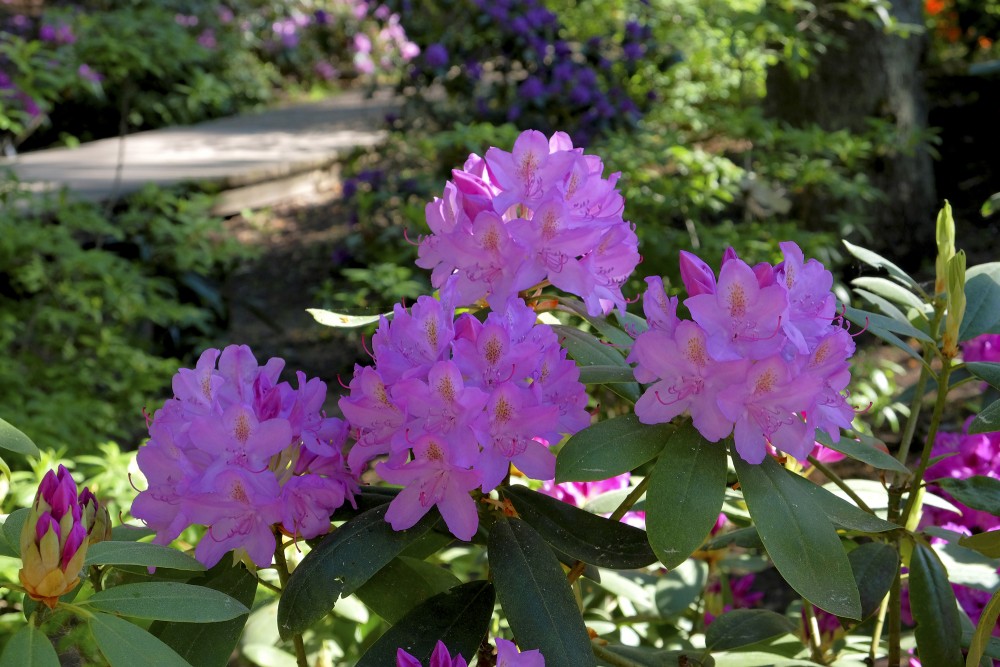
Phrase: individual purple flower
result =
(88, 74)
(436, 56)
(441, 657)
(509, 656)
(982, 348)
(239, 452)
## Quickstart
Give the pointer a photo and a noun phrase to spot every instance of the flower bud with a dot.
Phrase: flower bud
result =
(945, 234)
(95, 516)
(54, 540)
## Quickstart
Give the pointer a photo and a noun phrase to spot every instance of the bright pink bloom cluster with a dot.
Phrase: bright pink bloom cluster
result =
(507, 656)
(453, 402)
(965, 456)
(237, 451)
(508, 221)
(579, 494)
(763, 356)
(982, 348)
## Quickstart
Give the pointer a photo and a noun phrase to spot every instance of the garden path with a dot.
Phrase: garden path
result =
(260, 158)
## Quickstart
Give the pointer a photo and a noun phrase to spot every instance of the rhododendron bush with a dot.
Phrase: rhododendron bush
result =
(527, 473)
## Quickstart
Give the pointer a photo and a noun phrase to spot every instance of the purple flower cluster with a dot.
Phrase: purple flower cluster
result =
(507, 656)
(510, 220)
(453, 402)
(239, 452)
(965, 456)
(762, 357)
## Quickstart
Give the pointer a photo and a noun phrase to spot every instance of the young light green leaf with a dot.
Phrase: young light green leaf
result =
(609, 448)
(988, 544)
(12, 527)
(978, 492)
(686, 490)
(987, 421)
(935, 610)
(123, 644)
(328, 318)
(14, 440)
(580, 534)
(167, 601)
(984, 631)
(743, 627)
(879, 262)
(982, 301)
(29, 647)
(458, 617)
(140, 553)
(536, 597)
(799, 538)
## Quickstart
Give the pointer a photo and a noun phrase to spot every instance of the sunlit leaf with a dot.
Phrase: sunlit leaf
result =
(329, 318)
(743, 627)
(140, 553)
(123, 644)
(14, 440)
(863, 450)
(978, 492)
(167, 601)
(987, 543)
(609, 448)
(875, 260)
(984, 631)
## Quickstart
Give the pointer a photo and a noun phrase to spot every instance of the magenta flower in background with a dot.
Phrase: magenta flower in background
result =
(764, 356)
(88, 74)
(982, 348)
(452, 403)
(239, 452)
(544, 211)
(579, 494)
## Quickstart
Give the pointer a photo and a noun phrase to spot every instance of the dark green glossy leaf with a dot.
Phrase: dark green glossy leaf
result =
(459, 617)
(685, 494)
(680, 587)
(863, 449)
(140, 553)
(935, 610)
(978, 492)
(987, 421)
(587, 350)
(609, 331)
(338, 565)
(982, 301)
(605, 374)
(536, 597)
(130, 533)
(369, 497)
(799, 538)
(12, 527)
(875, 260)
(984, 631)
(748, 538)
(167, 601)
(743, 627)
(402, 585)
(985, 371)
(874, 565)
(14, 440)
(841, 512)
(29, 647)
(609, 448)
(580, 534)
(125, 645)
(988, 544)
(211, 644)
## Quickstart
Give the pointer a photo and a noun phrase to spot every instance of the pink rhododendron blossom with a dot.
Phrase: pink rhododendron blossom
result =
(509, 656)
(764, 356)
(511, 220)
(581, 493)
(441, 657)
(452, 403)
(239, 452)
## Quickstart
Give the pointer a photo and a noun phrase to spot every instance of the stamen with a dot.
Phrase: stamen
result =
(407, 238)
(364, 344)
(867, 322)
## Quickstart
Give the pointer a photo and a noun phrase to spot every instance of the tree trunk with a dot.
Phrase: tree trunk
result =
(867, 73)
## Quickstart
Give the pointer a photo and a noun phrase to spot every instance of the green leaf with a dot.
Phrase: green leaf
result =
(935, 610)
(984, 631)
(978, 492)
(841, 512)
(748, 538)
(402, 585)
(16, 441)
(874, 565)
(328, 318)
(29, 647)
(459, 617)
(982, 301)
(167, 601)
(609, 448)
(879, 262)
(587, 350)
(799, 539)
(130, 533)
(863, 450)
(985, 371)
(580, 534)
(644, 656)
(611, 333)
(988, 544)
(140, 553)
(536, 597)
(606, 374)
(892, 291)
(686, 490)
(337, 566)
(987, 421)
(680, 587)
(211, 644)
(743, 627)
(877, 323)
(123, 644)
(12, 527)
